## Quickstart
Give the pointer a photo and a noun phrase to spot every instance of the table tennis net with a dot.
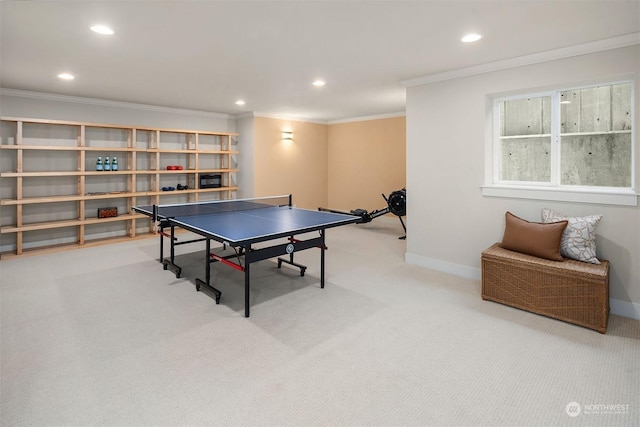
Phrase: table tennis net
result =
(220, 206)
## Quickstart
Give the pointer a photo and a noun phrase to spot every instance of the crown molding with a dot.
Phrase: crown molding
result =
(366, 118)
(289, 118)
(321, 122)
(551, 55)
(106, 103)
(247, 115)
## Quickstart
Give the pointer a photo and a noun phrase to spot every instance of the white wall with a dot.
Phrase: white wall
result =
(246, 157)
(54, 107)
(450, 222)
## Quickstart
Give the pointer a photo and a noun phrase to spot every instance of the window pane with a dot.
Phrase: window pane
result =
(596, 109)
(586, 110)
(596, 160)
(621, 106)
(596, 136)
(526, 159)
(527, 116)
(525, 140)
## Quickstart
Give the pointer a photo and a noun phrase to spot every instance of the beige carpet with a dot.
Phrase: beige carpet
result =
(105, 336)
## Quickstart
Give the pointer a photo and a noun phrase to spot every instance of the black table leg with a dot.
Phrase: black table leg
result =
(170, 263)
(322, 248)
(246, 288)
(173, 238)
(161, 245)
(207, 273)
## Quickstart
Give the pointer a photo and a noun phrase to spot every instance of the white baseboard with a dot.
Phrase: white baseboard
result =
(444, 266)
(617, 307)
(624, 308)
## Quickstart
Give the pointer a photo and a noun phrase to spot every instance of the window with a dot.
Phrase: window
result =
(576, 141)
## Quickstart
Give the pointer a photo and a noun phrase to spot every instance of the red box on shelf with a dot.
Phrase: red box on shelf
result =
(107, 212)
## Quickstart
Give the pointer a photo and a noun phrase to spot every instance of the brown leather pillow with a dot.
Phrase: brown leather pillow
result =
(533, 238)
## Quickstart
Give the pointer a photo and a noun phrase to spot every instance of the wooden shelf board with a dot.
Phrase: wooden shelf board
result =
(206, 190)
(105, 173)
(111, 173)
(198, 151)
(67, 223)
(112, 195)
(68, 198)
(192, 190)
(72, 246)
(63, 173)
(112, 126)
(122, 149)
(189, 171)
(122, 217)
(39, 147)
(68, 148)
(165, 171)
(125, 195)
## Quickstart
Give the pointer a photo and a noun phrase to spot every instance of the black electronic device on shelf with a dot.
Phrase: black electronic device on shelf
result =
(210, 181)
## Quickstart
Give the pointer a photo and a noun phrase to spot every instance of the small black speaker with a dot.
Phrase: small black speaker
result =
(210, 181)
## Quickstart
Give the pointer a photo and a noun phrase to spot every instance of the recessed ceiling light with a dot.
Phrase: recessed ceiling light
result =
(470, 38)
(102, 29)
(66, 76)
(239, 102)
(565, 102)
(319, 83)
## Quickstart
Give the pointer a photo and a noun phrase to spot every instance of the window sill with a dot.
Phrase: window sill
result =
(611, 197)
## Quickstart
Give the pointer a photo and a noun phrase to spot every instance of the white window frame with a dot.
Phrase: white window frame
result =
(553, 190)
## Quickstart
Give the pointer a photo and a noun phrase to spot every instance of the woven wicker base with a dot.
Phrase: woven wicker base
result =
(572, 291)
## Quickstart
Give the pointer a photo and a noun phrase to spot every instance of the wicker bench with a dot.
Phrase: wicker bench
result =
(572, 291)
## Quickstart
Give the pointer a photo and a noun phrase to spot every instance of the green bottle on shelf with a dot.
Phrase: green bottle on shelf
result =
(114, 164)
(99, 164)
(107, 165)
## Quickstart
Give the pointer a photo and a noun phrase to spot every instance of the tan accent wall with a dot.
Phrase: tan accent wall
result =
(366, 159)
(298, 167)
(340, 166)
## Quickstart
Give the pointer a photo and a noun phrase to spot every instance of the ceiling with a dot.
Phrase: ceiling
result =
(205, 55)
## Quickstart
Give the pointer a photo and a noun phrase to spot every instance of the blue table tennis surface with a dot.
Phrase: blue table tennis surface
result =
(251, 225)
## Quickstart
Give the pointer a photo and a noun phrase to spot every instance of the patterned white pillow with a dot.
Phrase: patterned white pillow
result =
(579, 238)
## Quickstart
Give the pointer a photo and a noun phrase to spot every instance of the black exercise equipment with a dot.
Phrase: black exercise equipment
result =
(396, 204)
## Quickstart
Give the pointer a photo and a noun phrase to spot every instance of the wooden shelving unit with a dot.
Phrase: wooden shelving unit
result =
(50, 184)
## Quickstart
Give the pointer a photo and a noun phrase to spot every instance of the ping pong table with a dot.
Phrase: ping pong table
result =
(240, 224)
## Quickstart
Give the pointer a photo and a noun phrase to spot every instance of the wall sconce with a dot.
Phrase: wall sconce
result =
(287, 136)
